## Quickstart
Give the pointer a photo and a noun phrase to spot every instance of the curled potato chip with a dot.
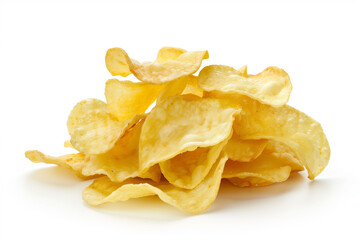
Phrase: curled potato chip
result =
(122, 160)
(270, 167)
(126, 99)
(74, 162)
(194, 201)
(171, 64)
(272, 86)
(119, 163)
(183, 123)
(188, 169)
(242, 150)
(289, 126)
(93, 130)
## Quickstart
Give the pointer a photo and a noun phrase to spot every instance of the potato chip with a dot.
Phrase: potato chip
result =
(194, 201)
(188, 169)
(170, 65)
(126, 99)
(93, 130)
(183, 123)
(272, 86)
(119, 163)
(289, 126)
(238, 149)
(74, 162)
(122, 160)
(270, 167)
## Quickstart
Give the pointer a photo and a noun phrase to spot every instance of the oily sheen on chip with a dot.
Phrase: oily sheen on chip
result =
(220, 124)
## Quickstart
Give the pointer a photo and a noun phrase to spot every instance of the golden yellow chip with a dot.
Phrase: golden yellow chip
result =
(269, 167)
(93, 130)
(188, 169)
(272, 86)
(170, 65)
(194, 201)
(74, 162)
(126, 99)
(122, 160)
(242, 150)
(119, 163)
(183, 123)
(289, 126)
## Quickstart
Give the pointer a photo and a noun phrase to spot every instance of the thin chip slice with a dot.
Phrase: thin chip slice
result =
(270, 167)
(168, 67)
(121, 161)
(116, 62)
(183, 123)
(272, 86)
(289, 126)
(126, 99)
(74, 162)
(194, 201)
(188, 169)
(93, 130)
(192, 87)
(266, 177)
(242, 150)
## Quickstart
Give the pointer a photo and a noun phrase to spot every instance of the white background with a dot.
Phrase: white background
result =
(52, 56)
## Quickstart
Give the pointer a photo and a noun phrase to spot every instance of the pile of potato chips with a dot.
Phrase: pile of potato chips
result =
(223, 123)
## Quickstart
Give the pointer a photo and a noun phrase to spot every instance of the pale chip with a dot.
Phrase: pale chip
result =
(93, 130)
(168, 67)
(193, 201)
(270, 167)
(183, 123)
(119, 163)
(122, 160)
(74, 162)
(188, 169)
(272, 86)
(289, 126)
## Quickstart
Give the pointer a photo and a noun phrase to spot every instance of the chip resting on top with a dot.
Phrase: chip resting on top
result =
(171, 64)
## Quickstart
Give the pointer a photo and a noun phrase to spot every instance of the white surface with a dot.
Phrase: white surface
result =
(52, 56)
